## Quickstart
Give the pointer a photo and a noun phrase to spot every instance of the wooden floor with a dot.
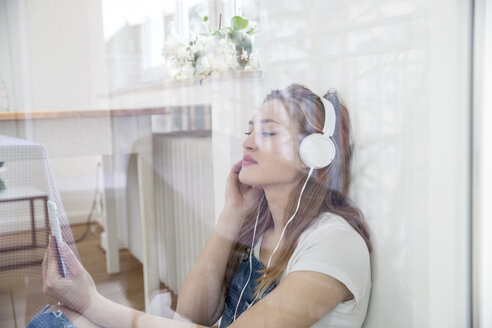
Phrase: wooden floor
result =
(21, 289)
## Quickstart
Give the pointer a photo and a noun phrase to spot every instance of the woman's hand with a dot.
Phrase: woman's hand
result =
(77, 290)
(238, 196)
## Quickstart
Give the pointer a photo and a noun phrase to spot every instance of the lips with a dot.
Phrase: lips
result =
(248, 160)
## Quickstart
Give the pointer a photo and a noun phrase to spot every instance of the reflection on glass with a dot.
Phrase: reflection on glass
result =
(138, 162)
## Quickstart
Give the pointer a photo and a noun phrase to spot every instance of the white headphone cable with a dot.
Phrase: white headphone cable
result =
(250, 263)
(278, 243)
(292, 217)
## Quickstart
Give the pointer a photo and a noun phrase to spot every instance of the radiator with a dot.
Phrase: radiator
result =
(184, 201)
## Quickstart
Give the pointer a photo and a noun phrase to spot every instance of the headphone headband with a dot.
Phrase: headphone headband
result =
(330, 117)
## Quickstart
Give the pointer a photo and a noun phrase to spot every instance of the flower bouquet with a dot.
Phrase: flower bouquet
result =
(226, 48)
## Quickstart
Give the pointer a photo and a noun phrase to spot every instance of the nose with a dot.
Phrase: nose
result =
(250, 142)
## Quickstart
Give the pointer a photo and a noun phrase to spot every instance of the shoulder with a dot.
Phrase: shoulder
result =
(331, 229)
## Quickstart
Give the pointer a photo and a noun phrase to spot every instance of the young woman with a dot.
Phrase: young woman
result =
(310, 263)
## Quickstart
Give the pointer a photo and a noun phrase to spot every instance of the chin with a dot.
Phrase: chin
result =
(247, 178)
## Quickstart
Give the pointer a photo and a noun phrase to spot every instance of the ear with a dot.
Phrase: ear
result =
(303, 166)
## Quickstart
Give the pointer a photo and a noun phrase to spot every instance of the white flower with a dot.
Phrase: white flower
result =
(244, 54)
(187, 70)
(253, 62)
(225, 45)
(204, 64)
(221, 65)
(182, 51)
(210, 43)
(199, 44)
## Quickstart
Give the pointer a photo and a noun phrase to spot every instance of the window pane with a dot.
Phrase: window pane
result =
(134, 33)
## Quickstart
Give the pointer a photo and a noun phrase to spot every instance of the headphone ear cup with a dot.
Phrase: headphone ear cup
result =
(317, 151)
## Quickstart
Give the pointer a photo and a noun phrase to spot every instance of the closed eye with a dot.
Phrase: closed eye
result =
(265, 134)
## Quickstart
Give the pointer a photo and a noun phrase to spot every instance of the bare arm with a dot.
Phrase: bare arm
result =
(300, 300)
(202, 295)
(201, 298)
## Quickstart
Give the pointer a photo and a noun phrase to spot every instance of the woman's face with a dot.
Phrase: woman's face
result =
(270, 150)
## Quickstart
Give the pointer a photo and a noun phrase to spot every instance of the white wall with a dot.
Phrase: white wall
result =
(66, 53)
(14, 66)
(53, 54)
(53, 58)
(403, 69)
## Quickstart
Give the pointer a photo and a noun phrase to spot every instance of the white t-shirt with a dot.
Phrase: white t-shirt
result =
(331, 246)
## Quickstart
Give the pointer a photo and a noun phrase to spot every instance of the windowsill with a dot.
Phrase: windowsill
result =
(90, 113)
(188, 82)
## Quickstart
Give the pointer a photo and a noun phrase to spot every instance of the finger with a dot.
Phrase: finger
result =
(234, 177)
(236, 168)
(71, 261)
(233, 186)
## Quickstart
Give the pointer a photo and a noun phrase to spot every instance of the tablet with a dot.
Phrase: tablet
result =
(56, 232)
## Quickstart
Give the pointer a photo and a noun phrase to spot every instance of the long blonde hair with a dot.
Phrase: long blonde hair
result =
(326, 190)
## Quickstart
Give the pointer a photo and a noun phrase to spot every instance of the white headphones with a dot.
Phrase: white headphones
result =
(318, 149)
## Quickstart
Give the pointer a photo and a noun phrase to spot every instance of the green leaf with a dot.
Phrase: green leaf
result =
(236, 36)
(205, 19)
(241, 40)
(196, 56)
(239, 23)
(252, 30)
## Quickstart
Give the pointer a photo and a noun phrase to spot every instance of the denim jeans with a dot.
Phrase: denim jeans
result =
(237, 285)
(50, 319)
